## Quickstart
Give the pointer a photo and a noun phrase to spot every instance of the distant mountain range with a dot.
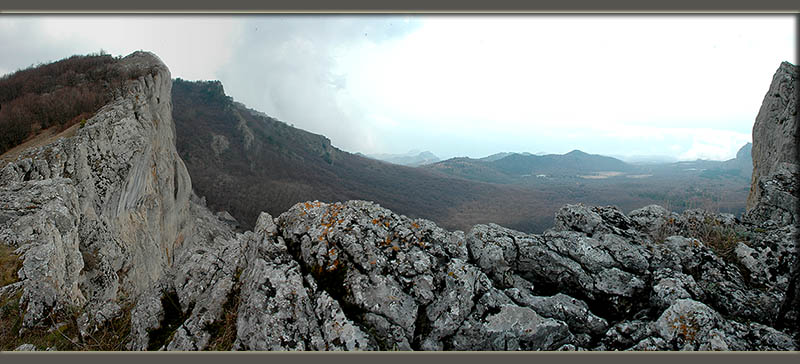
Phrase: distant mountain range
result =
(508, 167)
(513, 167)
(646, 159)
(413, 158)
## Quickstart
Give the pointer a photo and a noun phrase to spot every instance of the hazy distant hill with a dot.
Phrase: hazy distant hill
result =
(413, 158)
(508, 167)
(743, 163)
(646, 159)
(471, 169)
(573, 163)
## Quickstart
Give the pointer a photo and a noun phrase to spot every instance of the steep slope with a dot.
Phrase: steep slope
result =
(774, 188)
(774, 198)
(245, 162)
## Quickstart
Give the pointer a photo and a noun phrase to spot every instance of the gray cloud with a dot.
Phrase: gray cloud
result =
(460, 85)
(286, 66)
(24, 44)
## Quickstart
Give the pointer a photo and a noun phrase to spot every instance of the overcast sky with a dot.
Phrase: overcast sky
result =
(683, 86)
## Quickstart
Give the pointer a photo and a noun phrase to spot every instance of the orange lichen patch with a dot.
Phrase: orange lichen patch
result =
(395, 248)
(386, 223)
(375, 221)
(373, 262)
(334, 265)
(452, 274)
(415, 225)
(332, 252)
(307, 205)
(686, 327)
(321, 238)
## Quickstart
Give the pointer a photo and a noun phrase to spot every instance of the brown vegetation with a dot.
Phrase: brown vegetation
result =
(223, 331)
(60, 94)
(10, 264)
(61, 330)
(721, 239)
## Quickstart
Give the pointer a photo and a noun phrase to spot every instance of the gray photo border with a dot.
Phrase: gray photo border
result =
(406, 6)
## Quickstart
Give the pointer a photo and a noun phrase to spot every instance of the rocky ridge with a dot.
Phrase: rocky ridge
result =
(107, 217)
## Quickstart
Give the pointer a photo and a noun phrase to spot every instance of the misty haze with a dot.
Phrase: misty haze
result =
(398, 182)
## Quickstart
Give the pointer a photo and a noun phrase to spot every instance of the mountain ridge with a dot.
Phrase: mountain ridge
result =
(108, 232)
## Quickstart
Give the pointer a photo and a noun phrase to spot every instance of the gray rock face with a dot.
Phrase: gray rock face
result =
(102, 212)
(410, 284)
(774, 191)
(774, 188)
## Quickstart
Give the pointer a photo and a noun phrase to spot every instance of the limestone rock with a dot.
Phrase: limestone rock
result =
(101, 213)
(774, 189)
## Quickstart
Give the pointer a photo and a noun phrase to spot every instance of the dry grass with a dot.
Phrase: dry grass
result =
(61, 329)
(10, 264)
(63, 334)
(42, 138)
(113, 335)
(223, 331)
(720, 239)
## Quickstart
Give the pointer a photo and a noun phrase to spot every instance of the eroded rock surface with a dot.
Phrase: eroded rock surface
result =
(100, 214)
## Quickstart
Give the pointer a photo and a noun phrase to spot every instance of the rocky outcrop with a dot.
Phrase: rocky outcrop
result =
(774, 188)
(100, 214)
(355, 276)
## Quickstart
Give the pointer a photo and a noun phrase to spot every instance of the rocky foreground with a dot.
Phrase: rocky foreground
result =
(108, 231)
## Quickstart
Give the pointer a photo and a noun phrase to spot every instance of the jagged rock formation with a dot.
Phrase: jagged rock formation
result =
(355, 276)
(100, 214)
(774, 188)
(108, 217)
